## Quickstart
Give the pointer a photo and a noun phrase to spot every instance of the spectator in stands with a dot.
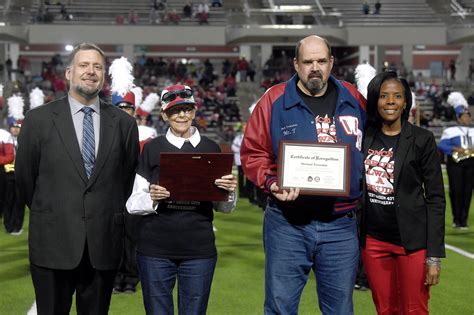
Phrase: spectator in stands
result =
(48, 16)
(230, 85)
(64, 14)
(154, 4)
(402, 228)
(154, 16)
(162, 4)
(452, 70)
(366, 7)
(457, 142)
(9, 66)
(242, 68)
(176, 238)
(132, 17)
(203, 13)
(119, 19)
(226, 67)
(181, 70)
(295, 224)
(173, 17)
(377, 7)
(39, 17)
(187, 10)
(420, 87)
(252, 70)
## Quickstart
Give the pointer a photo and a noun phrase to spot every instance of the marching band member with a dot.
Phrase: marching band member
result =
(457, 143)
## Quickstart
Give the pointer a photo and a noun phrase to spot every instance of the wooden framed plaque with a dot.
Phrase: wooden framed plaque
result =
(191, 176)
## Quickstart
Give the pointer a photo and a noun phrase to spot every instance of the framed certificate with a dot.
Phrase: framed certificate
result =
(316, 168)
(191, 176)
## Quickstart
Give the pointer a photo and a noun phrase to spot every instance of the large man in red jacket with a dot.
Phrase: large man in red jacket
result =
(304, 233)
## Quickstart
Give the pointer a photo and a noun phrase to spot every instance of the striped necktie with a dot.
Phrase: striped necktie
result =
(88, 141)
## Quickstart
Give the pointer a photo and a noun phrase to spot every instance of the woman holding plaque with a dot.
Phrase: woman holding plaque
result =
(176, 238)
(404, 205)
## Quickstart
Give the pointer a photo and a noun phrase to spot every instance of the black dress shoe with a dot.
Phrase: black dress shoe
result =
(129, 288)
(118, 288)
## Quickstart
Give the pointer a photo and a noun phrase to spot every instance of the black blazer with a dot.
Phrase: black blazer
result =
(419, 190)
(66, 208)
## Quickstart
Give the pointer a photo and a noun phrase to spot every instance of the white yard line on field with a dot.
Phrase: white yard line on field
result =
(460, 251)
(32, 310)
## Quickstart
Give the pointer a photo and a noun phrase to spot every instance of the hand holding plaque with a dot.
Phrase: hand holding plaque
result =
(196, 176)
(315, 168)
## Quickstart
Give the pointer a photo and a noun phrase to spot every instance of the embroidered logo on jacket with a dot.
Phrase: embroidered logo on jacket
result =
(289, 130)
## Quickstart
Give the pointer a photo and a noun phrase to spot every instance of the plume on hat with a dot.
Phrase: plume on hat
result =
(36, 98)
(458, 102)
(364, 73)
(15, 110)
(150, 102)
(121, 73)
(456, 99)
(138, 92)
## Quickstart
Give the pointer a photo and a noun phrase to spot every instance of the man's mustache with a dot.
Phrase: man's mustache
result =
(315, 74)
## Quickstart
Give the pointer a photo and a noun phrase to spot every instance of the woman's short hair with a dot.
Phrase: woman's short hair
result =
(373, 94)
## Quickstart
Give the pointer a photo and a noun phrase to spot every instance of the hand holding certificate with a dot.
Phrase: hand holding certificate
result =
(314, 168)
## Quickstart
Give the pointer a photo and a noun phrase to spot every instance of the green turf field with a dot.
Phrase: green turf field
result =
(238, 282)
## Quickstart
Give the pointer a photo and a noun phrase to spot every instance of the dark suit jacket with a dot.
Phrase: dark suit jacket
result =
(66, 208)
(419, 190)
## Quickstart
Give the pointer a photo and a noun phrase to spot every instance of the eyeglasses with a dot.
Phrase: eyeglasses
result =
(172, 95)
(176, 110)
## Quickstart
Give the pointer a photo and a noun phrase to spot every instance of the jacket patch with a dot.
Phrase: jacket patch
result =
(350, 125)
(289, 130)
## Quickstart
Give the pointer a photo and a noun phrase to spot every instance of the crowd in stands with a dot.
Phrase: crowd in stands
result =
(366, 7)
(160, 13)
(215, 91)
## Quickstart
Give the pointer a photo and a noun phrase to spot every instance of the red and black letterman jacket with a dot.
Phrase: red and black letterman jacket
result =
(281, 114)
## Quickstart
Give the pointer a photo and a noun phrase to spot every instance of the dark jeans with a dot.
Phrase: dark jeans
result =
(158, 277)
(330, 249)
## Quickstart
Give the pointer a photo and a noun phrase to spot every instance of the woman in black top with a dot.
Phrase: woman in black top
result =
(175, 238)
(404, 204)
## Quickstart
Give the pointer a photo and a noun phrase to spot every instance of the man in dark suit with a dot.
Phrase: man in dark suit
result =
(75, 169)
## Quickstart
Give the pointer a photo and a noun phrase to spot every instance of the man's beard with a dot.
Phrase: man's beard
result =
(315, 83)
(87, 93)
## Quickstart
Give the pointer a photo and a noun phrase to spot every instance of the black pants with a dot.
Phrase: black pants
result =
(13, 206)
(2, 188)
(242, 182)
(54, 288)
(461, 183)
(128, 271)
